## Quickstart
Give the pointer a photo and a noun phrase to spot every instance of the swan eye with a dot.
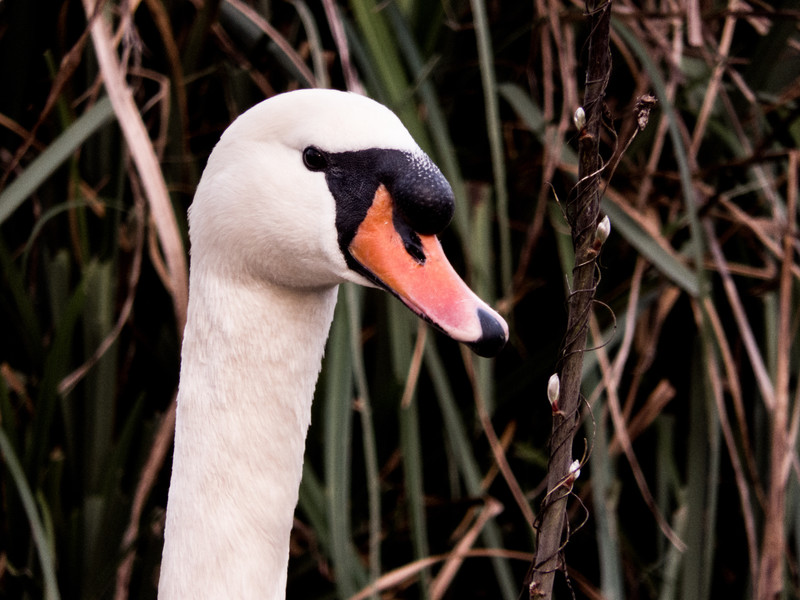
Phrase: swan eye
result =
(314, 159)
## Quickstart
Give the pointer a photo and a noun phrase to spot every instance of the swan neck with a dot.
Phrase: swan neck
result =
(250, 360)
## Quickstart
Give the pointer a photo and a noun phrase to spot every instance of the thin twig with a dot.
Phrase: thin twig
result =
(748, 514)
(627, 447)
(498, 451)
(582, 212)
(340, 39)
(410, 571)
(773, 547)
(456, 558)
(274, 35)
(714, 83)
(745, 330)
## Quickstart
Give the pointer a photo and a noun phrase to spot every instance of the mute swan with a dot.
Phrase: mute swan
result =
(304, 191)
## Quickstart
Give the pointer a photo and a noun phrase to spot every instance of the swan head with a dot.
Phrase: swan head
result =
(312, 188)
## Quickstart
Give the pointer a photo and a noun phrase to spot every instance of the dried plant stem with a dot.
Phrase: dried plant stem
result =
(582, 214)
(773, 550)
(145, 159)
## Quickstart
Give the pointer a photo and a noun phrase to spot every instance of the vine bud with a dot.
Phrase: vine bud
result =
(602, 232)
(579, 118)
(553, 391)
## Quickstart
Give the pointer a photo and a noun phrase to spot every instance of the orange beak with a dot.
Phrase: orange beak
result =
(430, 287)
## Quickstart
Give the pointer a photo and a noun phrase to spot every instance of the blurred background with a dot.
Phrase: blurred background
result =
(420, 454)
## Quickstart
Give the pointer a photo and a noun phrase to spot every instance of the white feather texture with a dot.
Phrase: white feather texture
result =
(264, 268)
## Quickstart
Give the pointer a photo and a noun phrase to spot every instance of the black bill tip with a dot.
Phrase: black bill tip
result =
(494, 336)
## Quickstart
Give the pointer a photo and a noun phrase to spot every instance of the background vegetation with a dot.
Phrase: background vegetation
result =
(425, 465)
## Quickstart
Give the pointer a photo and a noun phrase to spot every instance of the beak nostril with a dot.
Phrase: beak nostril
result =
(411, 241)
(414, 247)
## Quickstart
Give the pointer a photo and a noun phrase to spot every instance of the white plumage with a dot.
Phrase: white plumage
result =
(266, 259)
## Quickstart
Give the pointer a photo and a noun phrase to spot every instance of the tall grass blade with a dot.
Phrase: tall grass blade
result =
(380, 50)
(57, 364)
(445, 154)
(56, 154)
(101, 381)
(338, 419)
(353, 296)
(494, 130)
(314, 43)
(702, 473)
(605, 496)
(643, 241)
(401, 324)
(44, 543)
(482, 282)
(411, 448)
(313, 503)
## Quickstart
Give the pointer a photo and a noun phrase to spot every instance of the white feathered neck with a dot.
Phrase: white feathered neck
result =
(264, 268)
(250, 362)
